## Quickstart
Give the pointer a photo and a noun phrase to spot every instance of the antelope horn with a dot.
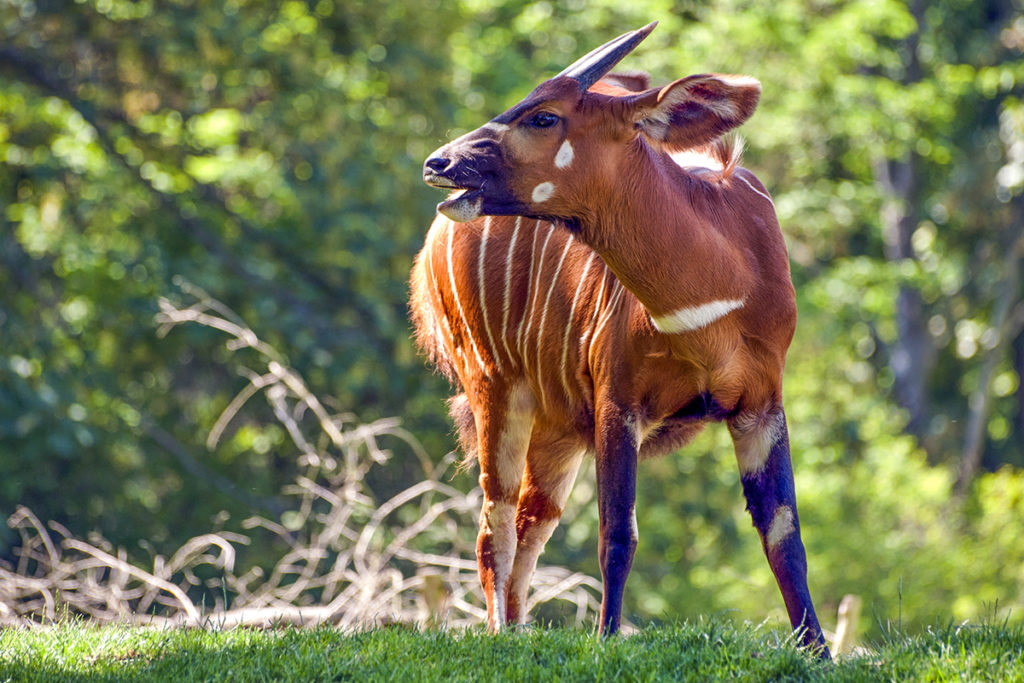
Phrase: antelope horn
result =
(589, 68)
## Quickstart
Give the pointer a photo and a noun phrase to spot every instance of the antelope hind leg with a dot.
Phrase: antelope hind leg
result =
(503, 426)
(762, 452)
(550, 473)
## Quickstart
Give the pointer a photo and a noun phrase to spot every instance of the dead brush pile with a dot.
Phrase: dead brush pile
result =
(354, 559)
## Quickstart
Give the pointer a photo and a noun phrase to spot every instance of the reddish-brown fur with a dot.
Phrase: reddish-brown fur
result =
(574, 364)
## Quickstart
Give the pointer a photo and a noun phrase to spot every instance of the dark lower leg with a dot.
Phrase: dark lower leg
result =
(616, 495)
(771, 500)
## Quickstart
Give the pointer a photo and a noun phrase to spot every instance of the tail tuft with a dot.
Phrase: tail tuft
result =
(722, 155)
(729, 152)
(465, 425)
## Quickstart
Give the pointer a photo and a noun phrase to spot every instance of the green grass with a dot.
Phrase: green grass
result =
(695, 651)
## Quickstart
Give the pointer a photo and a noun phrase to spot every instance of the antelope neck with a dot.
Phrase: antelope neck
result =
(663, 247)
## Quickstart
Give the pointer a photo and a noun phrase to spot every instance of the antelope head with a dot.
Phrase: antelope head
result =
(566, 144)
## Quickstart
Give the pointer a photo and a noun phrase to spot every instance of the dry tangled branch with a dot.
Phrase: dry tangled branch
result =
(353, 558)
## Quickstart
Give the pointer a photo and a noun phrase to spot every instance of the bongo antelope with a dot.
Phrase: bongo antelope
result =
(590, 295)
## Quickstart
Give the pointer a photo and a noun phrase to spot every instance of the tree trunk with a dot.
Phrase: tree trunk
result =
(980, 402)
(913, 355)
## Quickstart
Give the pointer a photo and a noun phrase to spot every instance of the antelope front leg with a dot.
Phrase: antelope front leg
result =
(762, 451)
(550, 473)
(503, 427)
(616, 496)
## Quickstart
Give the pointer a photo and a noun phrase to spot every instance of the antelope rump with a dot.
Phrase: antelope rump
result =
(592, 290)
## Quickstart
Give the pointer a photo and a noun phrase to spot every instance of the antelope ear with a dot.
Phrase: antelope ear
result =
(633, 81)
(695, 110)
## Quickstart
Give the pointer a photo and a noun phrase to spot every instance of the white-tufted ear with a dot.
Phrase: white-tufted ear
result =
(695, 110)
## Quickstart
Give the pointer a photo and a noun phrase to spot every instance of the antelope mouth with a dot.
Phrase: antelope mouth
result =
(463, 205)
(470, 200)
(442, 182)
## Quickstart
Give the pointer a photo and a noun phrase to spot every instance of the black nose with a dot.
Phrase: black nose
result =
(437, 164)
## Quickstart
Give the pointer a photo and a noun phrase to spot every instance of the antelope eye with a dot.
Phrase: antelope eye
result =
(543, 119)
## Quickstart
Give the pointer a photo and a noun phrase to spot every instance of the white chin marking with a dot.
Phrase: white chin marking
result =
(542, 192)
(565, 154)
(462, 210)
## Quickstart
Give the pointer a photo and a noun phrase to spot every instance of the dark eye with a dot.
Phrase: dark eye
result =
(543, 119)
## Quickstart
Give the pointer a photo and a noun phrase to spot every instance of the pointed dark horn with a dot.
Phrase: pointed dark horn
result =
(589, 68)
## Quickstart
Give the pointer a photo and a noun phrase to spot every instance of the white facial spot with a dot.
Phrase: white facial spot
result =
(542, 192)
(781, 527)
(565, 154)
(496, 127)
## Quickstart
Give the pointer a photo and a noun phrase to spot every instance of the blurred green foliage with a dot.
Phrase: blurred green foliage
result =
(270, 153)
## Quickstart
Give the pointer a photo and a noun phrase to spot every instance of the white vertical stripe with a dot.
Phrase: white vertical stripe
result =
(438, 311)
(458, 304)
(483, 296)
(544, 315)
(529, 286)
(428, 254)
(448, 331)
(597, 308)
(536, 290)
(568, 326)
(737, 175)
(507, 305)
(613, 302)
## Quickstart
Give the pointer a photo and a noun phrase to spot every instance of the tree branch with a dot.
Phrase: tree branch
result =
(29, 70)
(197, 469)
